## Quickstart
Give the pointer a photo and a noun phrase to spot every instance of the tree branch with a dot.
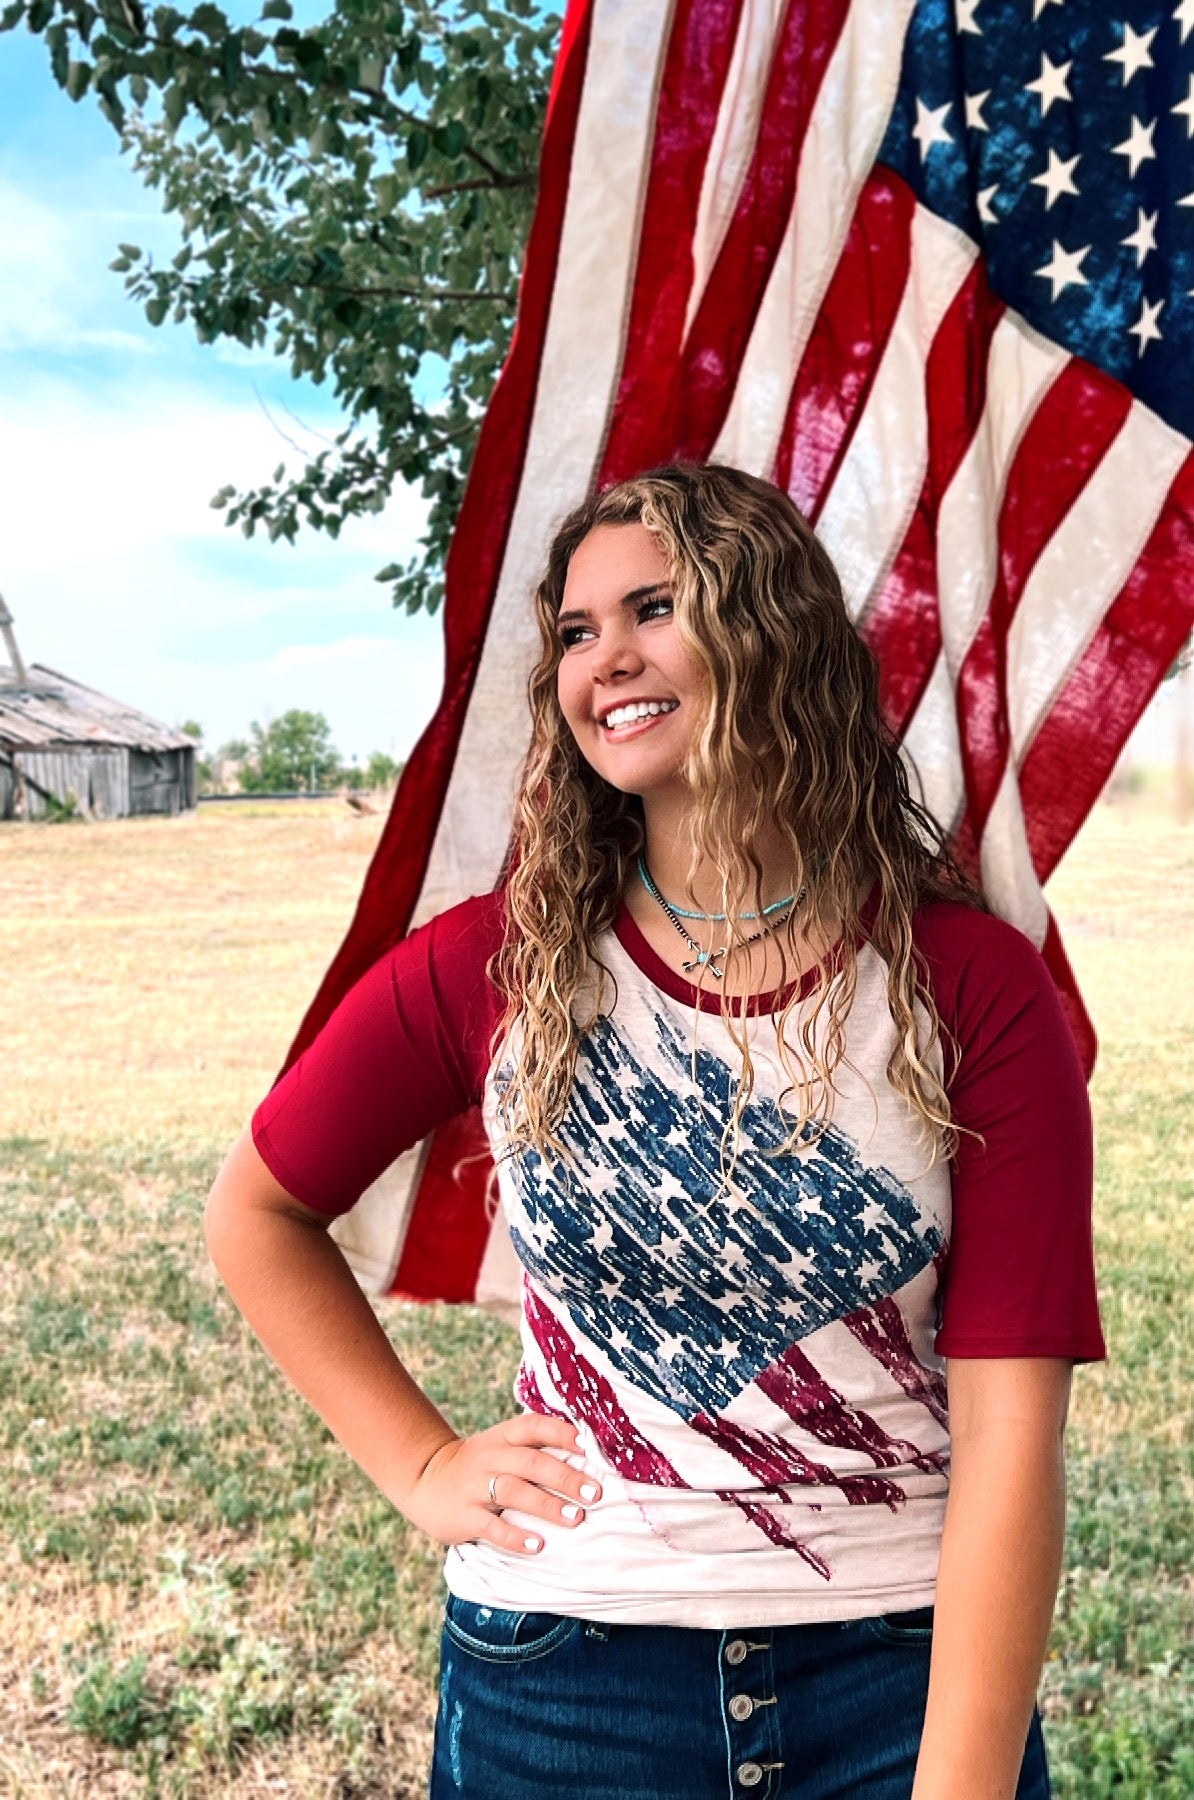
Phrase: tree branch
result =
(385, 293)
(467, 187)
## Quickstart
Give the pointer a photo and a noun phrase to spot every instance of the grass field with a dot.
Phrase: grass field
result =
(198, 1594)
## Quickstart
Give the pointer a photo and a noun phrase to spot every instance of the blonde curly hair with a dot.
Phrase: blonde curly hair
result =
(795, 736)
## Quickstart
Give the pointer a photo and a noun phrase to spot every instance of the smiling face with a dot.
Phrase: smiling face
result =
(631, 692)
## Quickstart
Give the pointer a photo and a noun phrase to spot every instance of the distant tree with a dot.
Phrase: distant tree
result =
(204, 772)
(381, 771)
(293, 752)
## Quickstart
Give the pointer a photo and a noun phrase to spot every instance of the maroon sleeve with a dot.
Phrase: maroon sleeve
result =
(406, 1049)
(1019, 1279)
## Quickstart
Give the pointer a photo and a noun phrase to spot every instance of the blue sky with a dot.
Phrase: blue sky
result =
(113, 438)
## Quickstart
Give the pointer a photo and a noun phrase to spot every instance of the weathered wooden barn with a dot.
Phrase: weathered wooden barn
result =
(60, 740)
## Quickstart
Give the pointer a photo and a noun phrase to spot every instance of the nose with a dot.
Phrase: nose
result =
(616, 654)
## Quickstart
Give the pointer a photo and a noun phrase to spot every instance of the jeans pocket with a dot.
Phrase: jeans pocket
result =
(497, 1635)
(912, 1629)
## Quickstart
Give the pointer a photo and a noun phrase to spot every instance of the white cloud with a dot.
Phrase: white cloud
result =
(87, 475)
(120, 573)
(55, 288)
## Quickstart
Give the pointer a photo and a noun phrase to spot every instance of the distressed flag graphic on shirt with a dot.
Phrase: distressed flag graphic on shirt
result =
(927, 266)
(689, 1294)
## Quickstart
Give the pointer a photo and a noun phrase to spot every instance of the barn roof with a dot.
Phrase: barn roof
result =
(47, 709)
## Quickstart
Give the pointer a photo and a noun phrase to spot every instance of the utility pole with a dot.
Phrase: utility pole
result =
(10, 644)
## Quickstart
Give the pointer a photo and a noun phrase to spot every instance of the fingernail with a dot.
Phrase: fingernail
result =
(588, 1491)
(531, 1543)
(570, 1511)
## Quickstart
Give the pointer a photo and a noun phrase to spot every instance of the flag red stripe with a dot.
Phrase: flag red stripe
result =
(847, 342)
(395, 875)
(721, 329)
(903, 627)
(449, 1227)
(1058, 964)
(1071, 431)
(1140, 634)
(698, 59)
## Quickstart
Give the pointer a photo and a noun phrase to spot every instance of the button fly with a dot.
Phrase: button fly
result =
(750, 1774)
(736, 1652)
(741, 1707)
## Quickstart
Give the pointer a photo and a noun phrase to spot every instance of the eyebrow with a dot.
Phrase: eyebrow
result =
(578, 613)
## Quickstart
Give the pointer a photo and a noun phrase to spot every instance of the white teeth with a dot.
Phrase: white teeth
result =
(641, 709)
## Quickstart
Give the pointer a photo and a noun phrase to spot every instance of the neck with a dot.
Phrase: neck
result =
(669, 832)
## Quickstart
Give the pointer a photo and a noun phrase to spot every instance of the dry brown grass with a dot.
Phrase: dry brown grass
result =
(162, 1495)
(155, 971)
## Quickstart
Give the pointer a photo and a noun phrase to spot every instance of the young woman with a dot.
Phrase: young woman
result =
(794, 1149)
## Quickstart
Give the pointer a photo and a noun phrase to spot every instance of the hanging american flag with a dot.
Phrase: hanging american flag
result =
(931, 268)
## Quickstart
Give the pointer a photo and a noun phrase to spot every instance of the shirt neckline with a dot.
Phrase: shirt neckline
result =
(661, 975)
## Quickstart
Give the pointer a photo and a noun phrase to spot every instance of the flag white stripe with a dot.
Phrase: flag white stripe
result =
(500, 1279)
(873, 496)
(1008, 877)
(1021, 368)
(845, 130)
(1085, 564)
(373, 1232)
(577, 382)
(932, 751)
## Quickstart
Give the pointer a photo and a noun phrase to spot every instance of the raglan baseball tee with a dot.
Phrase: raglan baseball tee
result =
(757, 1378)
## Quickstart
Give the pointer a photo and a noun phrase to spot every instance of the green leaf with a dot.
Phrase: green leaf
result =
(156, 309)
(132, 251)
(451, 138)
(40, 14)
(12, 15)
(59, 54)
(277, 9)
(174, 105)
(309, 54)
(210, 21)
(78, 79)
(417, 146)
(387, 192)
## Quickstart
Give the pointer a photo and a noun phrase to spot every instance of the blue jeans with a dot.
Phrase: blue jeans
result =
(533, 1705)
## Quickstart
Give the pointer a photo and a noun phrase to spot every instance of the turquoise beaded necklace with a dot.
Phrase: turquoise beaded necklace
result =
(708, 959)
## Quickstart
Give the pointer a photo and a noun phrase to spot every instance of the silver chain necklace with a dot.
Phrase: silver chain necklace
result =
(707, 959)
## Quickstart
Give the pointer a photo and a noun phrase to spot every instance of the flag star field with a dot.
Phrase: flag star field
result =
(1060, 139)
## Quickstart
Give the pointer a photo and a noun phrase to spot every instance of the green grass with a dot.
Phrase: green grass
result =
(199, 1594)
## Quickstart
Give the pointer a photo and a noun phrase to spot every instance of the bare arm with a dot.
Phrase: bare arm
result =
(291, 1282)
(997, 1584)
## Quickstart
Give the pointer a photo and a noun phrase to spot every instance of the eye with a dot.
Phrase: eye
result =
(659, 605)
(572, 634)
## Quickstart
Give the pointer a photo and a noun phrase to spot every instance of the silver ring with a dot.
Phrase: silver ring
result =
(493, 1499)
